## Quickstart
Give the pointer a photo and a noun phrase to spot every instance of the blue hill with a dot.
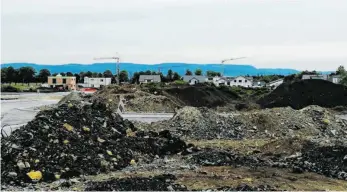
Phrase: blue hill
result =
(229, 70)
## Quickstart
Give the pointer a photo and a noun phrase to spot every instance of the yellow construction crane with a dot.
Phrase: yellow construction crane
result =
(231, 59)
(117, 65)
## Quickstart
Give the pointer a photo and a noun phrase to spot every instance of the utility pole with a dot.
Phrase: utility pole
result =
(231, 59)
(117, 65)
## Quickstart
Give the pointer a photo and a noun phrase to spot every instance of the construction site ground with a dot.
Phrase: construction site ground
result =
(210, 145)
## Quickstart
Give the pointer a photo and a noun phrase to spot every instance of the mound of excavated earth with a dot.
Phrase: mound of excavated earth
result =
(77, 139)
(304, 93)
(203, 123)
(134, 100)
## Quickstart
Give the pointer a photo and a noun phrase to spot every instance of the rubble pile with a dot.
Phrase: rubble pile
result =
(246, 187)
(325, 157)
(211, 157)
(201, 123)
(156, 183)
(312, 121)
(76, 139)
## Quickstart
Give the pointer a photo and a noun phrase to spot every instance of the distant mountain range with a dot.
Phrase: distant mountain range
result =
(229, 69)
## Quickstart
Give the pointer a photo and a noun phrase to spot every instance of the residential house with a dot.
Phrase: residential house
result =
(149, 79)
(218, 81)
(68, 83)
(274, 84)
(258, 84)
(96, 82)
(194, 79)
(335, 78)
(323, 77)
(240, 81)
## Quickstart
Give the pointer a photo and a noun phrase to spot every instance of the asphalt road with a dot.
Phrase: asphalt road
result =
(18, 112)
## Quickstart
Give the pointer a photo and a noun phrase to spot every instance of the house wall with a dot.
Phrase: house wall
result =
(241, 81)
(336, 80)
(193, 81)
(96, 82)
(70, 82)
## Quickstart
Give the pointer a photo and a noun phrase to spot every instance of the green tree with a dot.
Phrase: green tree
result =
(123, 76)
(99, 74)
(12, 75)
(63, 74)
(188, 72)
(341, 70)
(88, 74)
(169, 75)
(135, 78)
(27, 74)
(78, 77)
(176, 76)
(94, 74)
(69, 74)
(198, 72)
(43, 75)
(4, 78)
(108, 73)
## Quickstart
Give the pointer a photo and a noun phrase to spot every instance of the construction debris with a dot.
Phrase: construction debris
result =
(76, 139)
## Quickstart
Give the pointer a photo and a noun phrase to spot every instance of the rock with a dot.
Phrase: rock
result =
(12, 174)
(297, 169)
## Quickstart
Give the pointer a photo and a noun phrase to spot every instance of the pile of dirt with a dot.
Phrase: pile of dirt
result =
(156, 183)
(78, 139)
(203, 123)
(135, 100)
(304, 93)
(201, 95)
(145, 102)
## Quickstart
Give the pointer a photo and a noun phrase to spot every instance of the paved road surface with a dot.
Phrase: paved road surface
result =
(16, 113)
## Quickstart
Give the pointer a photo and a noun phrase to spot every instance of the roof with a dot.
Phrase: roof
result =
(278, 80)
(248, 78)
(63, 77)
(155, 78)
(315, 77)
(200, 78)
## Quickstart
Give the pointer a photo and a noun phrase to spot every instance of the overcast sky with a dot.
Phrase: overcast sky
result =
(303, 34)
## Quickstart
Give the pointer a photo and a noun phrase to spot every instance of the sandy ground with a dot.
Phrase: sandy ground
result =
(15, 113)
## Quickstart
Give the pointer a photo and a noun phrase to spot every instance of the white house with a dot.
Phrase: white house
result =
(149, 79)
(217, 81)
(335, 78)
(274, 84)
(258, 84)
(96, 81)
(240, 81)
(323, 77)
(194, 79)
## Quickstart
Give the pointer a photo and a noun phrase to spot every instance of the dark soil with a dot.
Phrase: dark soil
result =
(202, 95)
(157, 183)
(74, 140)
(304, 93)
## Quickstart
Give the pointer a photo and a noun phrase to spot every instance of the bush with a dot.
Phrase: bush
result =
(9, 88)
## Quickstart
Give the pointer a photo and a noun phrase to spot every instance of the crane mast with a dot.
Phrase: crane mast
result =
(117, 65)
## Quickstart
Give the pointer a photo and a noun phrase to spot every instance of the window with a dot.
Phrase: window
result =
(64, 81)
(54, 81)
(240, 81)
(235, 81)
(101, 80)
(228, 83)
(210, 78)
(245, 81)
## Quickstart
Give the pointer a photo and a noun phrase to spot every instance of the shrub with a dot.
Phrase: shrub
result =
(9, 88)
